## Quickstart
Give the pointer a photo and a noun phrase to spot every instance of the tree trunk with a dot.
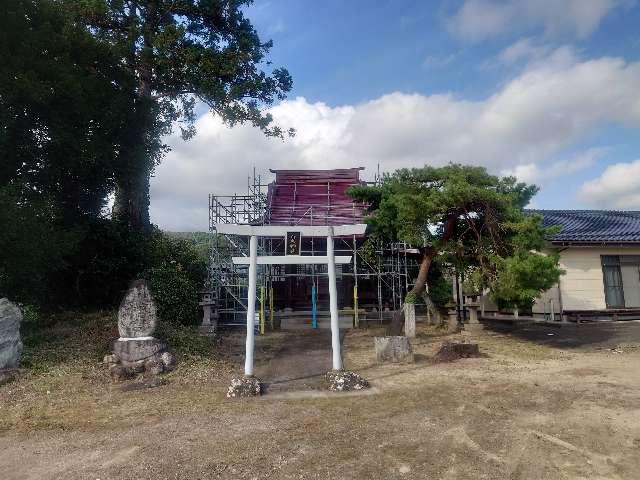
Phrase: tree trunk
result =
(423, 272)
(428, 254)
(397, 320)
(131, 205)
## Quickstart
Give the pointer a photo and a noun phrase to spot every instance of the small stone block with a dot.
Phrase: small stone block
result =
(344, 380)
(120, 373)
(154, 367)
(168, 360)
(244, 387)
(473, 327)
(393, 350)
(207, 329)
(133, 350)
(110, 359)
(10, 342)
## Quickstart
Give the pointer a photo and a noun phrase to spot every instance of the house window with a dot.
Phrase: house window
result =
(621, 274)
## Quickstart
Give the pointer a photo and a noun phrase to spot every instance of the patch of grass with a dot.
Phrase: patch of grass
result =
(186, 340)
(69, 338)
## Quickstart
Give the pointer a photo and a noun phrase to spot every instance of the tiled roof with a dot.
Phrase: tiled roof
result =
(593, 226)
(314, 197)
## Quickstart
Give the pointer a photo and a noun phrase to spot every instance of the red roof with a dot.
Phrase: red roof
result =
(314, 197)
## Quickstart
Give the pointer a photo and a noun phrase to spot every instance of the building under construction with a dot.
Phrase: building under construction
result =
(296, 296)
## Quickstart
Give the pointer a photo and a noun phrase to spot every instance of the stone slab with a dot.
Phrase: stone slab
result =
(393, 350)
(134, 350)
(473, 327)
(137, 315)
(10, 342)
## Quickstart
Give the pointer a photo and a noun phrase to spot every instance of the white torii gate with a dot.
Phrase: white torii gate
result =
(255, 231)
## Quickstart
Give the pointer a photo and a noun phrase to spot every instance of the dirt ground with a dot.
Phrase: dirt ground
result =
(542, 403)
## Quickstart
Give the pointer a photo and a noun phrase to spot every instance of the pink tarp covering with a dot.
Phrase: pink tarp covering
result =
(314, 197)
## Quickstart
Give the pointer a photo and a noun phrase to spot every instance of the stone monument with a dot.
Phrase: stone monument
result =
(409, 310)
(393, 350)
(473, 325)
(10, 343)
(137, 351)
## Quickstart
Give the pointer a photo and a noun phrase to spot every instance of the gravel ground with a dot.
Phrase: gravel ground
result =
(527, 409)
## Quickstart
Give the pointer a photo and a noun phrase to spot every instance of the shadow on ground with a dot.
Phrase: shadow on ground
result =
(299, 362)
(585, 336)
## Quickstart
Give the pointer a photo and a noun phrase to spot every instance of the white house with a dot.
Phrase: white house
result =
(600, 254)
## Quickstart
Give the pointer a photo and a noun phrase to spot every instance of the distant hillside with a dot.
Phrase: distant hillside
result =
(200, 241)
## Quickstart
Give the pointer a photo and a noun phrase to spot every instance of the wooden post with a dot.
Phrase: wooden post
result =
(333, 303)
(251, 305)
(262, 319)
(271, 323)
(356, 320)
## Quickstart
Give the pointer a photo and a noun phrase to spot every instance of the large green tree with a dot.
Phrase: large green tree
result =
(180, 51)
(62, 117)
(62, 109)
(467, 217)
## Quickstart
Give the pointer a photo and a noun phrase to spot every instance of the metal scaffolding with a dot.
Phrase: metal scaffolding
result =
(379, 285)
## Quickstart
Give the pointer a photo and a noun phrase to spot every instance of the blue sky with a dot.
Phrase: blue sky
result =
(547, 90)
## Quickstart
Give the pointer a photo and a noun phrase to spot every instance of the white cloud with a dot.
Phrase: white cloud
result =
(524, 49)
(543, 172)
(480, 19)
(521, 129)
(618, 187)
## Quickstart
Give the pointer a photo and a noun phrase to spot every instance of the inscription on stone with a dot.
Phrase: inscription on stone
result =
(137, 312)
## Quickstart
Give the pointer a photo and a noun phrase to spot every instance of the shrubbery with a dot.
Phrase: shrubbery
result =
(177, 276)
(46, 266)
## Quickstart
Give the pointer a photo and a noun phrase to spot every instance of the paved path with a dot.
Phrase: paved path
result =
(299, 364)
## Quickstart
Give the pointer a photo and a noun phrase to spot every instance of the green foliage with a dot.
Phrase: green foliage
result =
(521, 278)
(100, 268)
(440, 291)
(412, 205)
(466, 218)
(185, 339)
(177, 276)
(179, 52)
(33, 245)
(60, 341)
(200, 241)
(186, 49)
(411, 298)
(62, 109)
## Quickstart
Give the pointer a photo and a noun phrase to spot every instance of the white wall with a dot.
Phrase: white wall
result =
(582, 286)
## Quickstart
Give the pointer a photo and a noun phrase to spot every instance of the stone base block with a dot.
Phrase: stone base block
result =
(393, 350)
(121, 367)
(244, 387)
(207, 329)
(135, 349)
(344, 380)
(473, 327)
